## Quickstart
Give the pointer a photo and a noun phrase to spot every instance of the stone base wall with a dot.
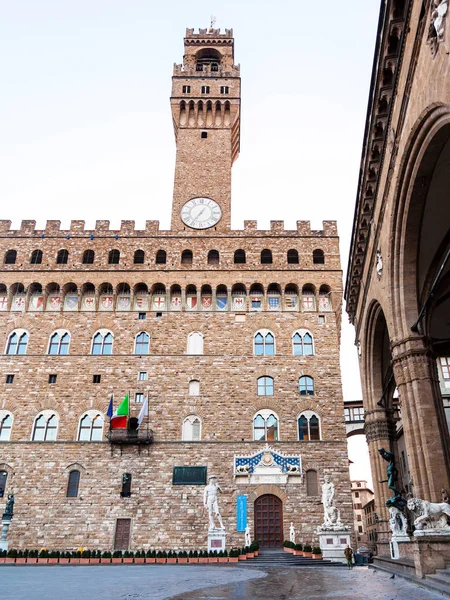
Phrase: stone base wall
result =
(162, 515)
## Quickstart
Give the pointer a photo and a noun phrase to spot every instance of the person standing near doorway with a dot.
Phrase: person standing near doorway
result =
(349, 556)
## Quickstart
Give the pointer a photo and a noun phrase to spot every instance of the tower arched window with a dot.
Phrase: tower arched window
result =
(88, 257)
(292, 257)
(213, 257)
(139, 257)
(142, 343)
(59, 343)
(10, 257)
(192, 427)
(114, 257)
(265, 386)
(266, 257)
(102, 342)
(36, 257)
(302, 343)
(5, 427)
(45, 427)
(17, 342)
(264, 343)
(312, 483)
(161, 257)
(186, 257)
(308, 426)
(306, 385)
(195, 343)
(91, 427)
(318, 257)
(240, 257)
(265, 426)
(73, 484)
(62, 257)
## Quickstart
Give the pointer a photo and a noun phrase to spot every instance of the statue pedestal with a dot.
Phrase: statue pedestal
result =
(333, 543)
(394, 545)
(216, 540)
(6, 522)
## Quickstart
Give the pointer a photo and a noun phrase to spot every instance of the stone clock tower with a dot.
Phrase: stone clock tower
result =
(206, 97)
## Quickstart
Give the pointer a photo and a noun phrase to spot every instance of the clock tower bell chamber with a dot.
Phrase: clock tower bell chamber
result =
(205, 103)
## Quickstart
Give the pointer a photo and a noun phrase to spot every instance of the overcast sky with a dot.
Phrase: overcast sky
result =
(86, 130)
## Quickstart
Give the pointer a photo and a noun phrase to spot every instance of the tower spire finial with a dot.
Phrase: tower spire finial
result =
(213, 22)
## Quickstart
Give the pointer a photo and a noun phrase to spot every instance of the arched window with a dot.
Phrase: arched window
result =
(318, 257)
(161, 257)
(213, 257)
(239, 257)
(265, 386)
(113, 257)
(192, 429)
(265, 426)
(306, 386)
(139, 257)
(308, 426)
(292, 257)
(3, 478)
(142, 343)
(88, 257)
(17, 342)
(264, 343)
(195, 343)
(266, 257)
(91, 427)
(45, 427)
(302, 343)
(36, 257)
(59, 342)
(102, 342)
(62, 257)
(312, 483)
(194, 387)
(72, 484)
(10, 257)
(186, 257)
(5, 427)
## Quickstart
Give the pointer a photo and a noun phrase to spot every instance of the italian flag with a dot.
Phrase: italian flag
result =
(120, 417)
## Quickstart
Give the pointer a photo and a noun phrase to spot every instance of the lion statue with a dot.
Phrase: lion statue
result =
(243, 469)
(293, 468)
(431, 515)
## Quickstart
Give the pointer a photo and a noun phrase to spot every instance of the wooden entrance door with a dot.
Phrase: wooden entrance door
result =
(122, 538)
(269, 521)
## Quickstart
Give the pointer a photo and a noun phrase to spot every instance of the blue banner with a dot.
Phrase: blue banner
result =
(241, 513)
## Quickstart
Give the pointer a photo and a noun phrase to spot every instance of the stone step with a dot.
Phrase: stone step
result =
(444, 574)
(427, 583)
(439, 577)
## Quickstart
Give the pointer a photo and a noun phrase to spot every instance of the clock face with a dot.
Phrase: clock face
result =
(201, 213)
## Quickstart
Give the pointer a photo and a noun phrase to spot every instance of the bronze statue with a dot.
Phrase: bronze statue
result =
(9, 509)
(396, 499)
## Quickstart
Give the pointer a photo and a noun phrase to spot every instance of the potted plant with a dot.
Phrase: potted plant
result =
(106, 557)
(203, 556)
(234, 555)
(95, 557)
(213, 556)
(43, 556)
(150, 556)
(248, 552)
(242, 554)
(53, 557)
(316, 553)
(298, 550)
(193, 556)
(20, 558)
(171, 557)
(139, 557)
(286, 544)
(128, 557)
(221, 557)
(254, 547)
(307, 551)
(117, 557)
(161, 557)
(85, 557)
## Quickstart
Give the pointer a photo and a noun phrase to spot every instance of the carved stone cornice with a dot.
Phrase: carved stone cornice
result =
(376, 426)
(385, 74)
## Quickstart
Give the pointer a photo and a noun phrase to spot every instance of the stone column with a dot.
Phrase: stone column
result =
(376, 429)
(424, 424)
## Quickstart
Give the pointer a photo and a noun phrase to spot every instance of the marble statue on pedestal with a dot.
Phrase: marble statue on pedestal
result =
(397, 522)
(248, 537)
(292, 533)
(432, 517)
(210, 502)
(332, 518)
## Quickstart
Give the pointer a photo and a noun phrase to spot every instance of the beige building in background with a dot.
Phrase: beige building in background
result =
(233, 335)
(361, 495)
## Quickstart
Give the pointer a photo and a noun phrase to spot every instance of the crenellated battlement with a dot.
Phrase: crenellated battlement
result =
(208, 33)
(128, 229)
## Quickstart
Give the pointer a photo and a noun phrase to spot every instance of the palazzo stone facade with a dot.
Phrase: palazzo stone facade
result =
(232, 334)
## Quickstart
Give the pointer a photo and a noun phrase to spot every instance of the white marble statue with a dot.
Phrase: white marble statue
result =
(379, 265)
(438, 11)
(248, 537)
(397, 522)
(292, 533)
(328, 499)
(210, 502)
(431, 515)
